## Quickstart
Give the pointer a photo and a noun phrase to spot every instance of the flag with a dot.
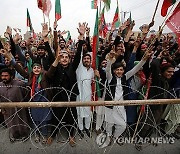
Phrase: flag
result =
(29, 24)
(68, 36)
(48, 7)
(34, 34)
(123, 16)
(57, 10)
(94, 4)
(173, 22)
(107, 4)
(95, 42)
(95, 61)
(42, 5)
(103, 29)
(116, 21)
(166, 4)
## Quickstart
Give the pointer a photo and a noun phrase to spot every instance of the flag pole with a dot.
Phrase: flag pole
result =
(155, 10)
(44, 18)
(99, 8)
(49, 21)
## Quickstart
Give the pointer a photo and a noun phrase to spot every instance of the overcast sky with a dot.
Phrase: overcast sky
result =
(13, 13)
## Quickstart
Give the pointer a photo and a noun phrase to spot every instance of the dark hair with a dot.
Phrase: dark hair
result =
(165, 66)
(41, 47)
(117, 65)
(86, 54)
(101, 40)
(8, 70)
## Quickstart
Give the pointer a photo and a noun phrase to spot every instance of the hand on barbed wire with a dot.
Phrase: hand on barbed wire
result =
(45, 30)
(82, 28)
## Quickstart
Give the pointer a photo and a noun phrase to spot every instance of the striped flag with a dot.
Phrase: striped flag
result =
(94, 4)
(166, 4)
(48, 7)
(107, 4)
(29, 24)
(57, 10)
(95, 60)
(103, 29)
(116, 21)
(173, 22)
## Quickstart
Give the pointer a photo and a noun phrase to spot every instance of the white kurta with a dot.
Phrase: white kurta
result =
(117, 115)
(84, 79)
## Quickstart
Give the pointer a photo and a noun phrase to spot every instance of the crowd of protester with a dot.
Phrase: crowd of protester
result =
(130, 67)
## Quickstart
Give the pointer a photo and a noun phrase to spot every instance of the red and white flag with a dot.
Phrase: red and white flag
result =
(173, 22)
(45, 6)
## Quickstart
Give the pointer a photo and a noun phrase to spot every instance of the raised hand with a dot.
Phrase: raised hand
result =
(7, 46)
(82, 28)
(9, 30)
(29, 41)
(6, 54)
(148, 53)
(123, 27)
(144, 28)
(17, 38)
(45, 30)
(87, 31)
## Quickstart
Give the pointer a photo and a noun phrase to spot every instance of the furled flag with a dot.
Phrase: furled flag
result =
(48, 6)
(107, 4)
(45, 6)
(29, 24)
(57, 10)
(94, 4)
(166, 4)
(34, 34)
(103, 29)
(42, 5)
(116, 21)
(95, 60)
(173, 22)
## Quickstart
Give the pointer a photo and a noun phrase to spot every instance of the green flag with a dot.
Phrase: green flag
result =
(68, 36)
(94, 4)
(29, 24)
(107, 4)
(116, 21)
(57, 10)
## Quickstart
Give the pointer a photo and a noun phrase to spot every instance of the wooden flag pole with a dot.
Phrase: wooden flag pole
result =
(163, 25)
(155, 10)
(44, 18)
(49, 22)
